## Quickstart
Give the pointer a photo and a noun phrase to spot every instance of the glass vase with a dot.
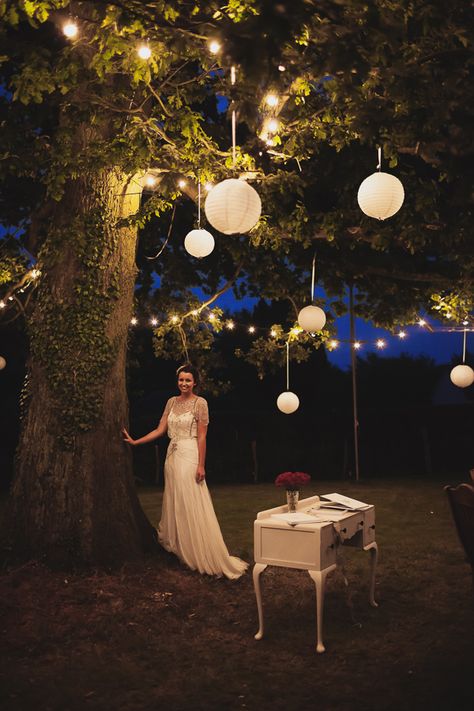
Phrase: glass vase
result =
(292, 496)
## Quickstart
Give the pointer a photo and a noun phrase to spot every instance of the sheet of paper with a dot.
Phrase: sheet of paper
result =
(345, 501)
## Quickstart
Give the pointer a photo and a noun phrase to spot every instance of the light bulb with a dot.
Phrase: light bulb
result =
(214, 47)
(182, 183)
(273, 125)
(150, 181)
(271, 100)
(144, 51)
(70, 29)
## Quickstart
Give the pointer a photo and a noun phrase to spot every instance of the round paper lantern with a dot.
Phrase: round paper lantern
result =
(199, 243)
(462, 376)
(380, 195)
(3, 362)
(233, 207)
(288, 402)
(311, 318)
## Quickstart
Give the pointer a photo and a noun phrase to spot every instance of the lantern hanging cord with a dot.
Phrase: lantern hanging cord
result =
(287, 365)
(199, 203)
(379, 156)
(313, 274)
(464, 346)
(232, 81)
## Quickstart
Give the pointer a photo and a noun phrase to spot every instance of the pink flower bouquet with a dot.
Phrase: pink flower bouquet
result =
(292, 481)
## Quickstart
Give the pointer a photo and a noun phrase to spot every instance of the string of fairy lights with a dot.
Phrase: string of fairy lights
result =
(276, 331)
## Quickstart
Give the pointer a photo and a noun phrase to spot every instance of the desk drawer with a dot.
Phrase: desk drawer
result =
(295, 547)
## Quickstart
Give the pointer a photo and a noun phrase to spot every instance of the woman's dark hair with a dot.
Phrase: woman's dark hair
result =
(188, 368)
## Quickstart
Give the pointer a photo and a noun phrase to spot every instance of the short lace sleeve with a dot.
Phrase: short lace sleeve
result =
(202, 411)
(168, 406)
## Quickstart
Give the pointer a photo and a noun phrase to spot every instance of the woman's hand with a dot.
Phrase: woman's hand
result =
(126, 437)
(200, 475)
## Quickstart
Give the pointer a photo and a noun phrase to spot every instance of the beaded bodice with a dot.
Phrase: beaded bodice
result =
(184, 415)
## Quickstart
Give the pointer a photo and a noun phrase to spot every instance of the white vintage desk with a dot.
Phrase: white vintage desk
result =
(312, 547)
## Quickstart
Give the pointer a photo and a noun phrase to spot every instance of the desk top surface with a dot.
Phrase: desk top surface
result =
(308, 514)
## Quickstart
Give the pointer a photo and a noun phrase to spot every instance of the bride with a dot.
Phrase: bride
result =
(188, 526)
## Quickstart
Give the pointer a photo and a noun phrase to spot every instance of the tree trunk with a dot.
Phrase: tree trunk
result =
(73, 499)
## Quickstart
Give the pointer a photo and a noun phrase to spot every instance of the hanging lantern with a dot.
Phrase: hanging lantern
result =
(199, 243)
(288, 402)
(312, 319)
(462, 376)
(380, 195)
(233, 207)
(3, 362)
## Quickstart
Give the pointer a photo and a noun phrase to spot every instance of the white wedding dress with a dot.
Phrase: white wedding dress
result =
(189, 526)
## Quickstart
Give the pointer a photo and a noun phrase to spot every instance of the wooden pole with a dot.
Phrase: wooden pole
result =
(354, 382)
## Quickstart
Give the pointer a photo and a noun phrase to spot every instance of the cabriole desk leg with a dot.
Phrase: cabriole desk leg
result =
(258, 569)
(319, 578)
(374, 553)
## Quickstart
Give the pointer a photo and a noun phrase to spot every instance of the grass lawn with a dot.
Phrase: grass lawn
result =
(159, 636)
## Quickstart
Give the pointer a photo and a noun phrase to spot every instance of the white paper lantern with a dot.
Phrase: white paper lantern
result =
(3, 362)
(199, 243)
(288, 402)
(462, 376)
(233, 207)
(311, 318)
(380, 195)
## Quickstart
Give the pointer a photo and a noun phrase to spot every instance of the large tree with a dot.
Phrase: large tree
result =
(84, 119)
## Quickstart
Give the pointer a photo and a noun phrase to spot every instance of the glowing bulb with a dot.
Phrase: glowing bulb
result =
(333, 344)
(357, 345)
(212, 317)
(448, 315)
(134, 321)
(465, 322)
(380, 343)
(270, 142)
(296, 331)
(174, 319)
(194, 312)
(251, 329)
(402, 334)
(154, 321)
(271, 100)
(273, 333)
(150, 180)
(35, 273)
(144, 51)
(230, 325)
(70, 29)
(273, 126)
(214, 47)
(421, 322)
(182, 183)
(281, 68)
(2, 304)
